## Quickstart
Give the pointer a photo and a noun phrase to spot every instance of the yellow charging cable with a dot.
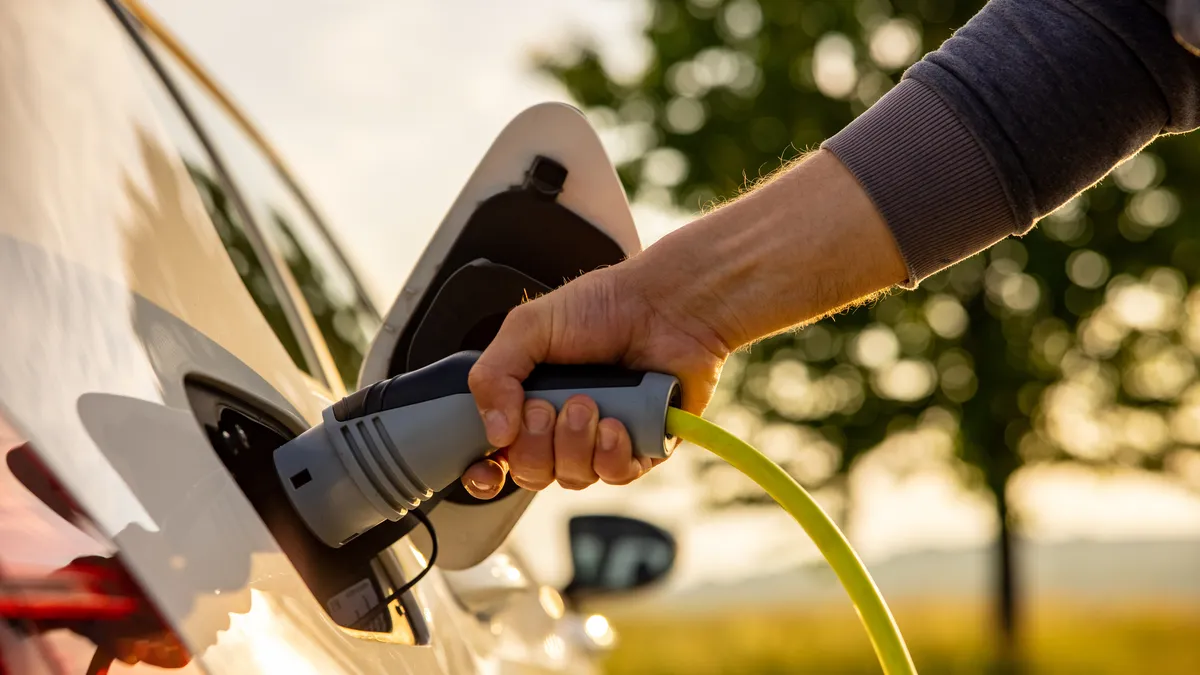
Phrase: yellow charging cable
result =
(876, 617)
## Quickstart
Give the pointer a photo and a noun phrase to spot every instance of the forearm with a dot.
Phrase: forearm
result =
(1025, 106)
(804, 244)
(1029, 103)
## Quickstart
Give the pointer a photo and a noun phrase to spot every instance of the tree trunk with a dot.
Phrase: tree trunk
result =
(1007, 602)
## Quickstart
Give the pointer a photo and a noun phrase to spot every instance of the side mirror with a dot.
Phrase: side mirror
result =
(614, 554)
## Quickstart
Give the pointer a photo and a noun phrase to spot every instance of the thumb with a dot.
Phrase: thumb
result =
(495, 380)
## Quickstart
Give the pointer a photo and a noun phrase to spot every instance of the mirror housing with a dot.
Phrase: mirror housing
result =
(615, 554)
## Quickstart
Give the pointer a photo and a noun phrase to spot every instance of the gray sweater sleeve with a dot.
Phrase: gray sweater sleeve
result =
(1029, 103)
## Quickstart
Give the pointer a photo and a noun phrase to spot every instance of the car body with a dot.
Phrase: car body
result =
(175, 309)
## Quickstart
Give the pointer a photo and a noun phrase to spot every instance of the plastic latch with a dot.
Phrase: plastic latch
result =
(546, 177)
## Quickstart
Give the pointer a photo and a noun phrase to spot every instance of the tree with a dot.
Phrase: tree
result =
(1070, 344)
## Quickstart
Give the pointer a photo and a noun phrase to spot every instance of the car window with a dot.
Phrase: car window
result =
(346, 321)
(228, 221)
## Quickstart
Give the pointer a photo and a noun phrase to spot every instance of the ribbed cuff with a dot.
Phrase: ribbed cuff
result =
(928, 176)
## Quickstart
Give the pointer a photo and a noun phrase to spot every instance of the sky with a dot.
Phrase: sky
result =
(383, 108)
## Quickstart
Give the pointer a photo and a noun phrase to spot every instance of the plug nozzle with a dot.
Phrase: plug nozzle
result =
(382, 451)
(328, 500)
(345, 477)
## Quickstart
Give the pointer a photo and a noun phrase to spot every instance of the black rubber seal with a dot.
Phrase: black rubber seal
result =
(437, 380)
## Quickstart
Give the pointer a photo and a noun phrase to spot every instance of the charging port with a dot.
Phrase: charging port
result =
(347, 581)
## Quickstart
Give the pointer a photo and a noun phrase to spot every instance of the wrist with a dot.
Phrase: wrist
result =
(667, 284)
(806, 243)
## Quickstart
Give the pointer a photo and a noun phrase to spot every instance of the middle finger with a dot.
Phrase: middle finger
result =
(531, 456)
(575, 442)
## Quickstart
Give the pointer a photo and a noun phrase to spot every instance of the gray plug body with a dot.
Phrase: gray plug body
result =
(385, 449)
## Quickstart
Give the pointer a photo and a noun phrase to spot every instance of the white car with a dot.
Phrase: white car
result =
(174, 310)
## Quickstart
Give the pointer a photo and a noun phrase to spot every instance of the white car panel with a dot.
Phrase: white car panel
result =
(117, 288)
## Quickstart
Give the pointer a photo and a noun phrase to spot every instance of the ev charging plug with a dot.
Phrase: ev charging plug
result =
(383, 450)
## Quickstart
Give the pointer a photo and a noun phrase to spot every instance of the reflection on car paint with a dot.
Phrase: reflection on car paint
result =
(66, 598)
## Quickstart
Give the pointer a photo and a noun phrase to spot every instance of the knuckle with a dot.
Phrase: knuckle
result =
(576, 472)
(523, 317)
(479, 377)
(573, 462)
(622, 476)
(573, 459)
(531, 464)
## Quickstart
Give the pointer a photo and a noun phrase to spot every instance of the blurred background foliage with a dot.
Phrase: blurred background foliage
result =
(1075, 343)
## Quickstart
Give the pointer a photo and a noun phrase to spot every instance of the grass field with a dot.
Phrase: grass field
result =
(1060, 638)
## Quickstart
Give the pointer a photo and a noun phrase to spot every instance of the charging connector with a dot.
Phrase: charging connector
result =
(382, 451)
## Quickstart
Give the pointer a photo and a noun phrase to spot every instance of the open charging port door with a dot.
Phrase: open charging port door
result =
(544, 206)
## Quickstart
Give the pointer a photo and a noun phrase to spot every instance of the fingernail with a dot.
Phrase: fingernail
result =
(578, 416)
(608, 439)
(482, 487)
(496, 424)
(537, 419)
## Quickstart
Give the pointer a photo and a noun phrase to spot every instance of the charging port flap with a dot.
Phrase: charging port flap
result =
(544, 206)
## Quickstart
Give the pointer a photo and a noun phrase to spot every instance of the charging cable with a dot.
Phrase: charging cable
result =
(365, 619)
(872, 610)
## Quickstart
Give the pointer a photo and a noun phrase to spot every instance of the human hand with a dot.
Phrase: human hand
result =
(802, 245)
(618, 315)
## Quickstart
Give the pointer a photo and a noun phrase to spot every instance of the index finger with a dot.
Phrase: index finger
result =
(495, 379)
